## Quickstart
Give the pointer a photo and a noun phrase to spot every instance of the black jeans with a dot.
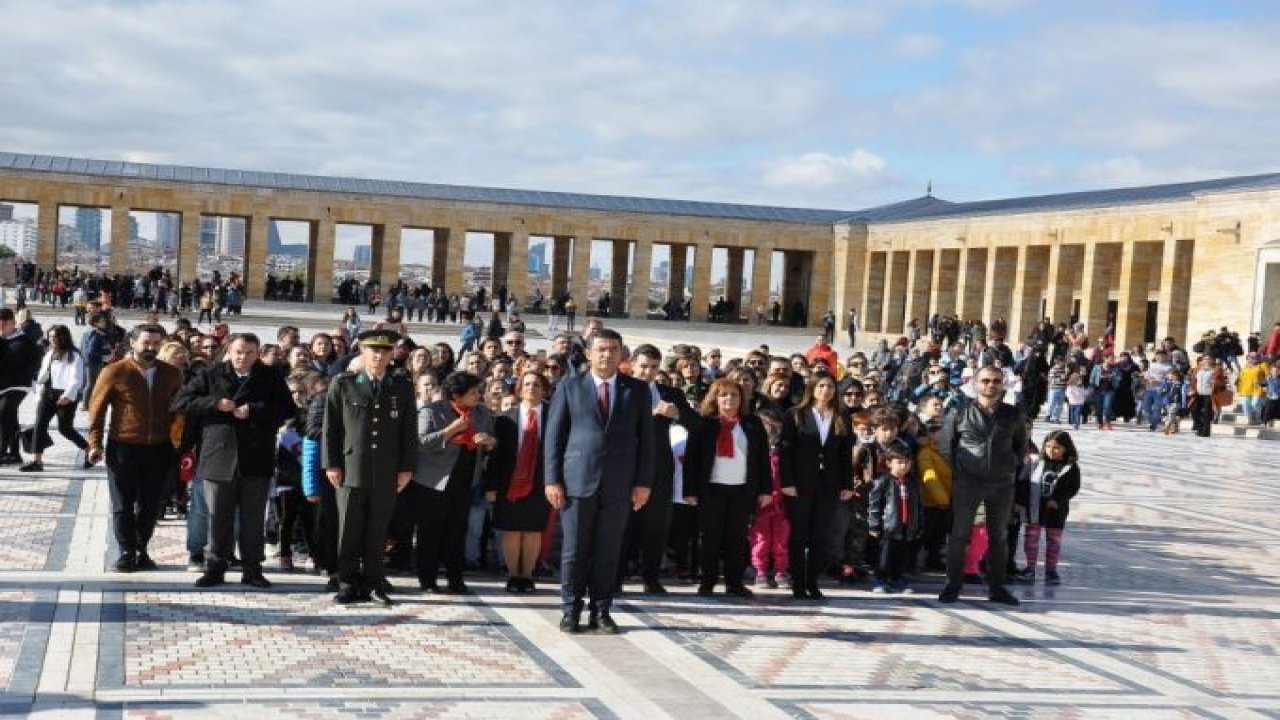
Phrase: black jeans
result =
(137, 475)
(10, 401)
(441, 528)
(966, 494)
(725, 514)
(49, 408)
(237, 512)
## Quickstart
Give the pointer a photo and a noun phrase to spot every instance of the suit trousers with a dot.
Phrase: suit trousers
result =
(237, 513)
(810, 515)
(648, 529)
(363, 517)
(441, 518)
(594, 531)
(137, 476)
(725, 514)
(966, 494)
(9, 403)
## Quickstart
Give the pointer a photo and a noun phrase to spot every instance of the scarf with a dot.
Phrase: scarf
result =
(904, 504)
(467, 438)
(724, 441)
(522, 479)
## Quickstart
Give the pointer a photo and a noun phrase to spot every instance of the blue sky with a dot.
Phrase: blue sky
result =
(836, 104)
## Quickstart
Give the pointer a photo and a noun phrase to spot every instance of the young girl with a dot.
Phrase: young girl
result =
(1172, 391)
(1077, 396)
(770, 531)
(1045, 496)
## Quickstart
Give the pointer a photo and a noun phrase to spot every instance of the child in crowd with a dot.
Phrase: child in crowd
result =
(1044, 494)
(935, 484)
(1077, 397)
(769, 531)
(861, 549)
(1172, 389)
(1271, 408)
(979, 541)
(322, 500)
(286, 489)
(894, 512)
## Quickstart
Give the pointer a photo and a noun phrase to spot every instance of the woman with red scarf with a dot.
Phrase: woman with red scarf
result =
(514, 483)
(726, 474)
(455, 433)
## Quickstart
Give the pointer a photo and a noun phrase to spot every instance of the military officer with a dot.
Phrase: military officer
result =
(370, 452)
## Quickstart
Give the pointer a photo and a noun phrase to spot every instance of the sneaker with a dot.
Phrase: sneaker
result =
(771, 582)
(1025, 575)
(880, 588)
(195, 563)
(33, 466)
(1051, 577)
(761, 581)
(902, 586)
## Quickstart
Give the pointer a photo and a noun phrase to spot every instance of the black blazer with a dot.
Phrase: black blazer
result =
(664, 464)
(808, 464)
(700, 456)
(502, 461)
(229, 446)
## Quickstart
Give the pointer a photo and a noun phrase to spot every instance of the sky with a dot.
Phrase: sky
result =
(827, 103)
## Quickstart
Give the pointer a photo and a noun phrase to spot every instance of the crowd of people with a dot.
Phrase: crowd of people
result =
(371, 453)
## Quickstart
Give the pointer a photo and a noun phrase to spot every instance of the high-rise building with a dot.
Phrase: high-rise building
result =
(168, 231)
(89, 224)
(133, 230)
(208, 234)
(229, 239)
(20, 236)
(6, 211)
(537, 258)
(362, 256)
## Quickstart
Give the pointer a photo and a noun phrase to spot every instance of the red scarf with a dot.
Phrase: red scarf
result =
(522, 479)
(724, 442)
(466, 438)
(904, 502)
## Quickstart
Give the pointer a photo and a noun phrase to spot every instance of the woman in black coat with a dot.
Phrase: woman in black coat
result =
(514, 481)
(815, 460)
(726, 471)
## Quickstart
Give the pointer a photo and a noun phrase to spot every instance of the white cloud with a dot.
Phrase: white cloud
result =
(821, 170)
(915, 46)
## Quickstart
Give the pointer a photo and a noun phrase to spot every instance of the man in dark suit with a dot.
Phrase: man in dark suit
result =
(598, 467)
(370, 452)
(239, 405)
(650, 524)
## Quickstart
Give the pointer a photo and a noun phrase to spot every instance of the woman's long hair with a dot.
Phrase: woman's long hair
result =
(807, 402)
(61, 345)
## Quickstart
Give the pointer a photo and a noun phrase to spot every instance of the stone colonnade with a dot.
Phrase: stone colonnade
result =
(570, 234)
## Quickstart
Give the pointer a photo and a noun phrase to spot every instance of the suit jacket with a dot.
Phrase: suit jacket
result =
(438, 456)
(591, 454)
(371, 436)
(664, 468)
(229, 446)
(810, 465)
(502, 462)
(700, 456)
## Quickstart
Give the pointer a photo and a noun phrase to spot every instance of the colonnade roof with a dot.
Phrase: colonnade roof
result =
(921, 208)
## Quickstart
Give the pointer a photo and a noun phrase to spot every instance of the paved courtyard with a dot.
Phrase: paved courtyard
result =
(1169, 608)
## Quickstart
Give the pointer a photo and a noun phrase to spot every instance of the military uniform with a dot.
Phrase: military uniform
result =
(370, 432)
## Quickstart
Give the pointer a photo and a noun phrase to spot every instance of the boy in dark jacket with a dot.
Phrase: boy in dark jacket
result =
(894, 512)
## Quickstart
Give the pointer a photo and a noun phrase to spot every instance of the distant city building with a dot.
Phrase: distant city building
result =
(362, 256)
(662, 271)
(89, 225)
(168, 231)
(229, 237)
(20, 236)
(537, 258)
(6, 211)
(69, 240)
(133, 231)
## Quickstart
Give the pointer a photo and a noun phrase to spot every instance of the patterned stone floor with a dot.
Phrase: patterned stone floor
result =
(1170, 608)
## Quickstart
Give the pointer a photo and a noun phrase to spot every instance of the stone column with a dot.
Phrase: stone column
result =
(518, 265)
(257, 229)
(324, 234)
(641, 281)
(919, 287)
(819, 283)
(455, 254)
(972, 286)
(872, 318)
(701, 282)
(189, 246)
(943, 285)
(761, 274)
(1135, 269)
(440, 259)
(1095, 289)
(895, 306)
(560, 261)
(47, 234)
(580, 275)
(119, 262)
(619, 275)
(990, 303)
(501, 262)
(1028, 290)
(386, 239)
(733, 282)
(1064, 268)
(676, 278)
(1175, 290)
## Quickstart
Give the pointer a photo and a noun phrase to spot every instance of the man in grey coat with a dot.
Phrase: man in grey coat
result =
(985, 442)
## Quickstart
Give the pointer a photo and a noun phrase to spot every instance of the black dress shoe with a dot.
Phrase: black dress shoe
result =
(741, 591)
(799, 594)
(145, 562)
(348, 596)
(604, 624)
(385, 586)
(654, 588)
(513, 585)
(457, 587)
(332, 585)
(432, 587)
(527, 585)
(210, 579)
(255, 579)
(593, 622)
(380, 595)
(949, 594)
(1002, 596)
(126, 563)
(570, 622)
(706, 590)
(815, 593)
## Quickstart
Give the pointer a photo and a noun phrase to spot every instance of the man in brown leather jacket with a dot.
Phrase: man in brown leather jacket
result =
(138, 390)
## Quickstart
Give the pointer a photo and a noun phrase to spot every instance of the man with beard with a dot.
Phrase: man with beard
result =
(138, 391)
